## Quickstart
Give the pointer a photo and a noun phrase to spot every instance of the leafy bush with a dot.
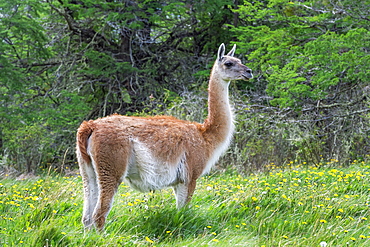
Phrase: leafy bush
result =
(33, 139)
(311, 58)
(270, 135)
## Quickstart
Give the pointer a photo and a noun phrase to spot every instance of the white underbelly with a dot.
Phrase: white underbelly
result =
(156, 179)
(145, 173)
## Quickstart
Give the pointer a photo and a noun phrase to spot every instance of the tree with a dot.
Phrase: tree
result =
(62, 61)
(65, 61)
(312, 58)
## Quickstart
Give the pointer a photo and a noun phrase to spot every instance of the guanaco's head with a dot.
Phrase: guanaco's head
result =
(230, 68)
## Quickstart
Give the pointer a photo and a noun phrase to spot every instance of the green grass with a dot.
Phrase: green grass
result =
(296, 206)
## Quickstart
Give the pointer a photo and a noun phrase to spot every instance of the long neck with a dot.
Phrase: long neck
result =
(219, 123)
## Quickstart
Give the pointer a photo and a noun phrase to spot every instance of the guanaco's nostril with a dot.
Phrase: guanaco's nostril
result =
(249, 71)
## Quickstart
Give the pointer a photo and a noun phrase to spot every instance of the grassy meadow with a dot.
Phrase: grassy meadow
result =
(324, 205)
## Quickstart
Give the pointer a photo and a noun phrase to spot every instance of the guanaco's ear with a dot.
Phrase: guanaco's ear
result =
(221, 52)
(232, 51)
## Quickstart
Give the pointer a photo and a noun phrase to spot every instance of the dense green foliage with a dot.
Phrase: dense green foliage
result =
(298, 206)
(308, 51)
(313, 59)
(62, 61)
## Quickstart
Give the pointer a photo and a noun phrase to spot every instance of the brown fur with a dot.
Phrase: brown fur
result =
(155, 152)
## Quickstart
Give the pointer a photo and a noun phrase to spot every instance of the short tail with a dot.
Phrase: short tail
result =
(83, 133)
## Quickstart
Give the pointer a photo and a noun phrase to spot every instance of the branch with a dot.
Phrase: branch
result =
(314, 9)
(24, 64)
(321, 106)
(330, 117)
(67, 17)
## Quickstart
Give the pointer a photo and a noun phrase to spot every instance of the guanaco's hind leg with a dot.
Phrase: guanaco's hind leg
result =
(109, 170)
(108, 188)
(90, 192)
(184, 193)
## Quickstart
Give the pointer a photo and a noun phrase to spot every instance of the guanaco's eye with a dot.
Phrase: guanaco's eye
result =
(229, 64)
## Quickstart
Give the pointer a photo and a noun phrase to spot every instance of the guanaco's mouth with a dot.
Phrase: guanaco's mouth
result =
(247, 76)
